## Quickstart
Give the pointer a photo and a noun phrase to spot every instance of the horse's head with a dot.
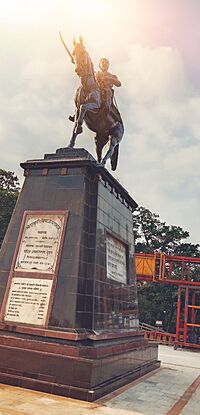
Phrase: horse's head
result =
(81, 58)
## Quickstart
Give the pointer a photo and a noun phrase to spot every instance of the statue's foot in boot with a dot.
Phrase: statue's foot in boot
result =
(72, 118)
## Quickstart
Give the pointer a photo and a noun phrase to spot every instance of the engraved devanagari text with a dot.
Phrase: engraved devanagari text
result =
(28, 300)
(116, 260)
(40, 243)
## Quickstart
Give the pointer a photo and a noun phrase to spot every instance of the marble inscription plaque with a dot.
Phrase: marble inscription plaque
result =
(40, 243)
(116, 260)
(28, 300)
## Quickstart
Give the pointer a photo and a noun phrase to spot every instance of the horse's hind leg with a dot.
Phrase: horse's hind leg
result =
(73, 139)
(113, 143)
(100, 142)
(114, 157)
(99, 148)
(113, 150)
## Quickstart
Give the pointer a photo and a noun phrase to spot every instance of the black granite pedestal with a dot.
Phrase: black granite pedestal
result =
(82, 338)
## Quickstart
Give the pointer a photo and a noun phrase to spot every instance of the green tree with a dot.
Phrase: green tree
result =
(158, 301)
(9, 190)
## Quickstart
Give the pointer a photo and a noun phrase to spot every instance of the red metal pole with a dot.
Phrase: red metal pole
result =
(170, 270)
(182, 270)
(185, 315)
(178, 314)
(188, 271)
(193, 309)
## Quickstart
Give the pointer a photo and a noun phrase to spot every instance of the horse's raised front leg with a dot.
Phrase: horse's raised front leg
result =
(80, 114)
(92, 103)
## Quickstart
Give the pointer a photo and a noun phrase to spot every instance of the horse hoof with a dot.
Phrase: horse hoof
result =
(70, 145)
(79, 129)
(98, 164)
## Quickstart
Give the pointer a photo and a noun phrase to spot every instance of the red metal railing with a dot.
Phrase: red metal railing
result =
(160, 338)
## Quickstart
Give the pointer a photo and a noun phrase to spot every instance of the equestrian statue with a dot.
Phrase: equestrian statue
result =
(94, 101)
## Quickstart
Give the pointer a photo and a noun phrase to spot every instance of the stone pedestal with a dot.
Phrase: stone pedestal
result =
(69, 314)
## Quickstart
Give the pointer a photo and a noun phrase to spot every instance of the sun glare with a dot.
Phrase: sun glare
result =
(14, 11)
(90, 7)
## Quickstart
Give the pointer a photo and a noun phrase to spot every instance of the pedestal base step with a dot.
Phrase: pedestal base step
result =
(79, 369)
(84, 394)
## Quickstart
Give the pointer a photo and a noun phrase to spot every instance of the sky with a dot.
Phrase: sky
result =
(154, 49)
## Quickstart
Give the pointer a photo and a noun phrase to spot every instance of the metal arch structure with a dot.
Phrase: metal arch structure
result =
(185, 273)
(169, 269)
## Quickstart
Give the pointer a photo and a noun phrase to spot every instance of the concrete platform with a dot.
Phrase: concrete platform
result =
(172, 390)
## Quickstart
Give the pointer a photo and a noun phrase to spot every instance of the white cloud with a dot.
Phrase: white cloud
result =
(160, 151)
(159, 155)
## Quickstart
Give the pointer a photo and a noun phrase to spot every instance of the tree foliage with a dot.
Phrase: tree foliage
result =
(158, 301)
(9, 190)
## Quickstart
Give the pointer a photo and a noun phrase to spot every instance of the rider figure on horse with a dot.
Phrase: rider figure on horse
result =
(106, 81)
(94, 104)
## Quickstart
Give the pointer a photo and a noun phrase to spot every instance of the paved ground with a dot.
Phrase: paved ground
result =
(172, 390)
(168, 391)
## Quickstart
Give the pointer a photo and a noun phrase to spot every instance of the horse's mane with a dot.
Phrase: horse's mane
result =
(88, 57)
(91, 63)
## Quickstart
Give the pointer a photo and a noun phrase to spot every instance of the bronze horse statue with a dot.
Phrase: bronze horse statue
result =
(107, 125)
